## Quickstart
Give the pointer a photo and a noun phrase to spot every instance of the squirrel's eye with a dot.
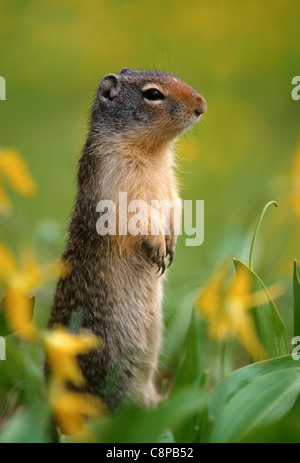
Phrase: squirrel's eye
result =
(153, 94)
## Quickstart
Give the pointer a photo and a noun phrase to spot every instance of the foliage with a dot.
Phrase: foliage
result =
(226, 373)
(265, 391)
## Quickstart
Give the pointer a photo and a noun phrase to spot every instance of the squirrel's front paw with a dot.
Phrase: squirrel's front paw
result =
(156, 250)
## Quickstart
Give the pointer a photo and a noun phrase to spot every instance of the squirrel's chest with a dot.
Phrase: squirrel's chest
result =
(138, 181)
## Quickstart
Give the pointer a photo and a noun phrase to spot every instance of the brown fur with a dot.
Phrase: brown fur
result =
(114, 279)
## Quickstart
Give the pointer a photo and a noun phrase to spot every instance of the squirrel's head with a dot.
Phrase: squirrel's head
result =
(148, 107)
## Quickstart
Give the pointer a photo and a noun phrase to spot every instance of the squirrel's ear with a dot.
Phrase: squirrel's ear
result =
(109, 86)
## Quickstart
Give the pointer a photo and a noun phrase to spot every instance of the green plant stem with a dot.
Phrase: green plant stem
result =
(256, 230)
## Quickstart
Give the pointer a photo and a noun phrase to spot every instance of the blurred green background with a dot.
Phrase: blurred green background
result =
(241, 56)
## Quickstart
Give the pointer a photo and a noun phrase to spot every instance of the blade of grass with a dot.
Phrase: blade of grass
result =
(257, 228)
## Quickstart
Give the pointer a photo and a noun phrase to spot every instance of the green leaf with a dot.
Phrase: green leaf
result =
(25, 427)
(166, 437)
(257, 229)
(177, 325)
(190, 374)
(136, 426)
(225, 390)
(278, 433)
(22, 371)
(269, 325)
(255, 396)
(286, 430)
(296, 288)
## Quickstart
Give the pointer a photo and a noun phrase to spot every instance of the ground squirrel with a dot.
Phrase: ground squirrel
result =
(114, 279)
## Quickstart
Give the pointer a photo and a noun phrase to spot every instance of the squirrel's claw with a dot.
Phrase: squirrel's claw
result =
(170, 246)
(157, 254)
(171, 256)
(160, 261)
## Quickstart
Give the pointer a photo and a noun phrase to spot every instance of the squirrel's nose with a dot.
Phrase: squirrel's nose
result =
(201, 106)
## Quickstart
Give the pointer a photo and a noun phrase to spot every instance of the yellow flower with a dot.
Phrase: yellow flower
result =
(226, 306)
(71, 410)
(15, 170)
(295, 194)
(17, 280)
(62, 348)
(19, 313)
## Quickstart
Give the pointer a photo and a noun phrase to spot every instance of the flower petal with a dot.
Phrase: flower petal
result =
(16, 171)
